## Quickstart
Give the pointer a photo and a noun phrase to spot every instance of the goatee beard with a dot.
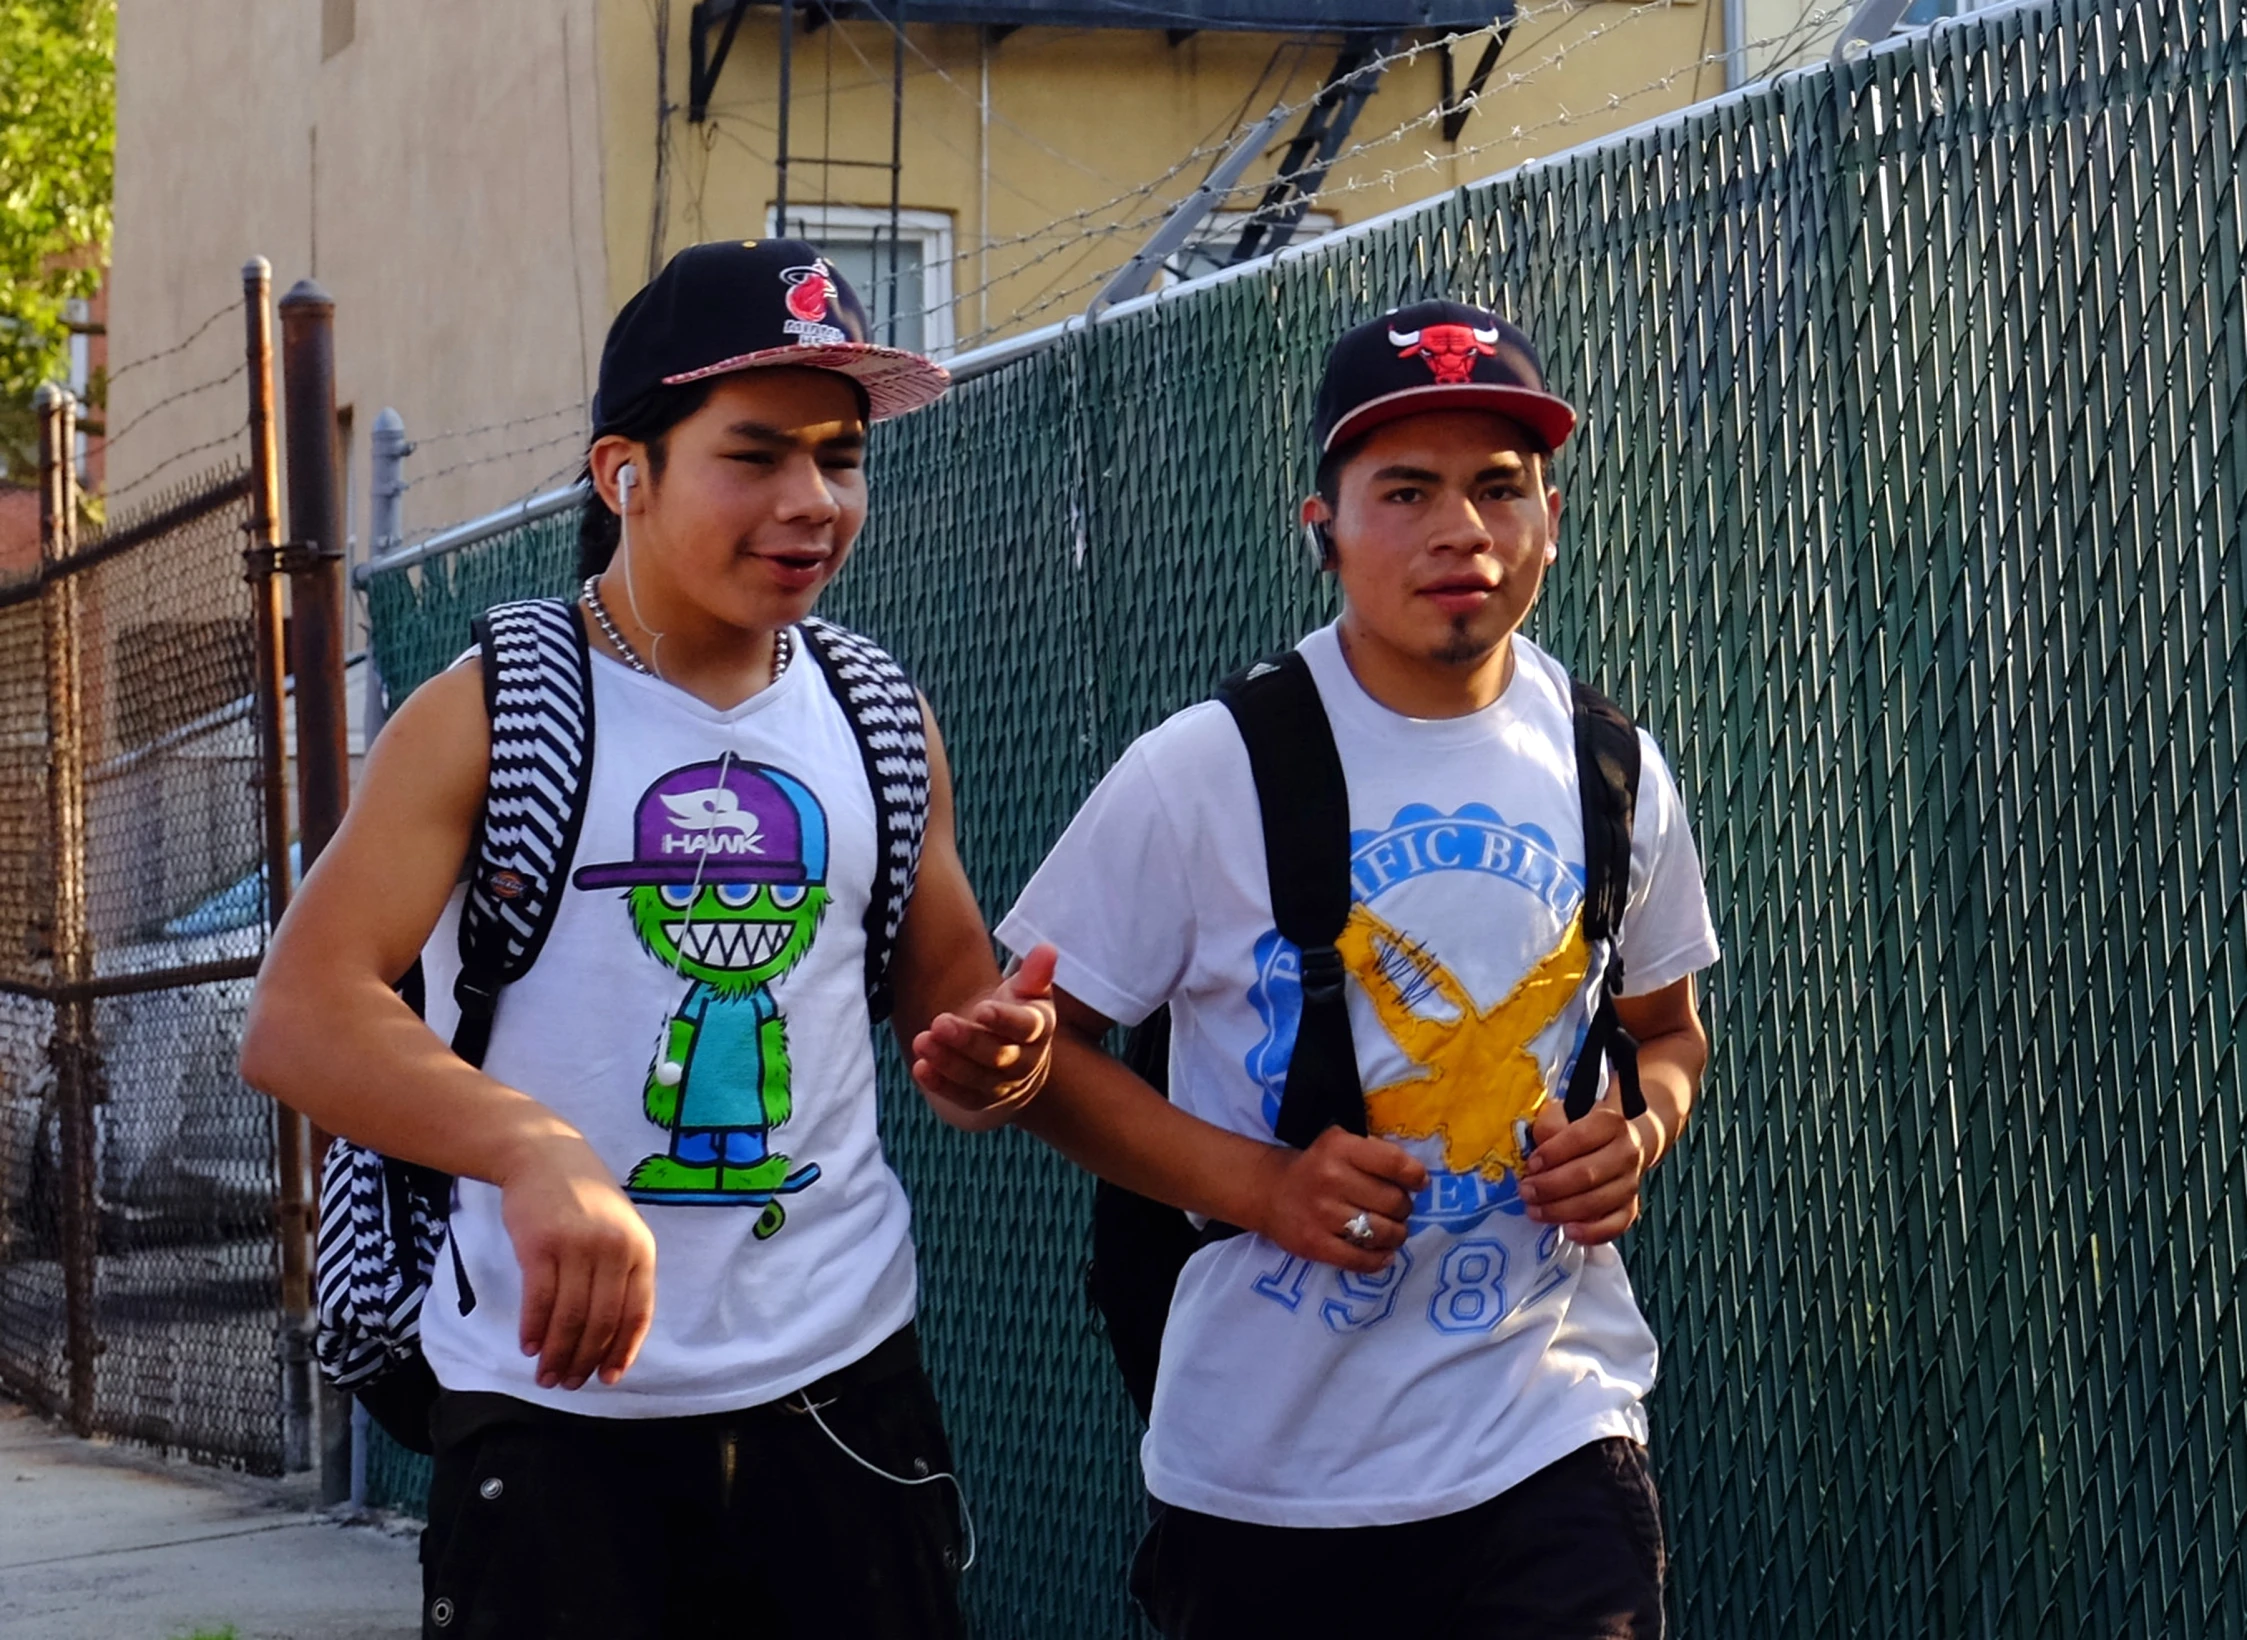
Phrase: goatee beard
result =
(1463, 648)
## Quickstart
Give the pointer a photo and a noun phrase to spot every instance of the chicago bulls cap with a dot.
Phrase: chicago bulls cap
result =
(751, 304)
(1435, 356)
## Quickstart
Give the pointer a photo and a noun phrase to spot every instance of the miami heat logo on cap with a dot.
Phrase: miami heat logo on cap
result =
(810, 294)
(1450, 350)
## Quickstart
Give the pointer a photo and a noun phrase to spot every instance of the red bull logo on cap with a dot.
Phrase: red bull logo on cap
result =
(1450, 350)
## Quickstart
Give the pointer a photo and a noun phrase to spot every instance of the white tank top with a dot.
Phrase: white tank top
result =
(699, 1014)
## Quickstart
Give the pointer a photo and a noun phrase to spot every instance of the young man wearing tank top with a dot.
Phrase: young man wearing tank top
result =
(688, 1399)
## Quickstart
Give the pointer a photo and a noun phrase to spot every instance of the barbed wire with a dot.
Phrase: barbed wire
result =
(108, 441)
(1068, 226)
(1811, 19)
(1087, 241)
(115, 373)
(573, 408)
(541, 487)
(1341, 161)
(110, 498)
(571, 437)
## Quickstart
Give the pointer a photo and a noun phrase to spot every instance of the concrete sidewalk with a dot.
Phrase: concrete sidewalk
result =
(102, 1542)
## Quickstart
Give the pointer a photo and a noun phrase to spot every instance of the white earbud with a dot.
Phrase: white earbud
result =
(669, 1073)
(625, 477)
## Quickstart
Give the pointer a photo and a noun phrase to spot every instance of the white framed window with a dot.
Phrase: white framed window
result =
(1214, 242)
(856, 239)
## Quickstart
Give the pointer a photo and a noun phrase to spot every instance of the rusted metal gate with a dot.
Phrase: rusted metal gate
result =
(153, 1210)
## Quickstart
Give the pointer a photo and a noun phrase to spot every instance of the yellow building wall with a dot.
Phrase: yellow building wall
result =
(476, 185)
(1056, 153)
(439, 174)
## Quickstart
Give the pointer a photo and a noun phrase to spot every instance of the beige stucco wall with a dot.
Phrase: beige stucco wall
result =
(1098, 130)
(440, 175)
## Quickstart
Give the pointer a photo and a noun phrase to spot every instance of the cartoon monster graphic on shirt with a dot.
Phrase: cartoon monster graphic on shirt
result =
(726, 889)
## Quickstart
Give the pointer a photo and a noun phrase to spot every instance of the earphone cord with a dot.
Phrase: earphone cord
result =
(701, 862)
(967, 1520)
(631, 593)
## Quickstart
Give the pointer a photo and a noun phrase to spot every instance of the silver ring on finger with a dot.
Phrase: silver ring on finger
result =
(1359, 1231)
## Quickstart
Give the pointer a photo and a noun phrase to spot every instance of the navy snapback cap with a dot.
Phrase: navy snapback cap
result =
(1435, 356)
(750, 304)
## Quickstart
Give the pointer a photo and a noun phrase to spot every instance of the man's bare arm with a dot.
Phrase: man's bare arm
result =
(328, 1036)
(1105, 1119)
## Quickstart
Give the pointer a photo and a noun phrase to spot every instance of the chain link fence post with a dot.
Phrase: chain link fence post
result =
(314, 560)
(71, 1049)
(263, 562)
(385, 533)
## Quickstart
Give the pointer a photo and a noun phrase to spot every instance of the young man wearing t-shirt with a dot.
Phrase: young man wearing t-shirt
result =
(1411, 1395)
(686, 1399)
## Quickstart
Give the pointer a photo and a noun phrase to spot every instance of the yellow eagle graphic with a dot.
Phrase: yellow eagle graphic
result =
(1477, 1073)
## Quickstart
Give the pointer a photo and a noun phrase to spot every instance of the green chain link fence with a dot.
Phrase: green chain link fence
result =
(1907, 511)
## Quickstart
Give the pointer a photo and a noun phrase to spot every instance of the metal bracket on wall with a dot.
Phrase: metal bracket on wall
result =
(1302, 170)
(704, 63)
(1459, 106)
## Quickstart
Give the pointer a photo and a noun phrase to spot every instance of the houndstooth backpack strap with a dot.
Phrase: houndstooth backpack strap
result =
(885, 713)
(381, 1220)
(538, 688)
(377, 1247)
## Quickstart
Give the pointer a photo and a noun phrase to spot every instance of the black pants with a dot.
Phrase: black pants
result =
(1572, 1553)
(551, 1525)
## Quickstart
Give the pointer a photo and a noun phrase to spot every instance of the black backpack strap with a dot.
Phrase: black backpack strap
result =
(1305, 803)
(1607, 768)
(885, 714)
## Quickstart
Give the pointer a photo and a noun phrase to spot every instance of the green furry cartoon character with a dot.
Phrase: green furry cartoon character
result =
(726, 889)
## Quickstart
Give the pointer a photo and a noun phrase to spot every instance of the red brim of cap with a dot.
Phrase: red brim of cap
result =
(1549, 418)
(896, 381)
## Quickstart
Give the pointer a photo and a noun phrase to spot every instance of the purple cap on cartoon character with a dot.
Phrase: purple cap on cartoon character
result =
(721, 822)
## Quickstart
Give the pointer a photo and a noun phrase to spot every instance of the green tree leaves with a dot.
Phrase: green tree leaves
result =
(57, 149)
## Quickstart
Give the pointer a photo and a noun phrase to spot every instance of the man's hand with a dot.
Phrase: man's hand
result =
(983, 1063)
(1314, 1194)
(588, 1264)
(1585, 1176)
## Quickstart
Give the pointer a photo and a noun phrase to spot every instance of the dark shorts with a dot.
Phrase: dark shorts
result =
(1572, 1553)
(552, 1525)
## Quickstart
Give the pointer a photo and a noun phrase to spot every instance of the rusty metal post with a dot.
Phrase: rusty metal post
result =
(315, 564)
(71, 1049)
(314, 559)
(262, 561)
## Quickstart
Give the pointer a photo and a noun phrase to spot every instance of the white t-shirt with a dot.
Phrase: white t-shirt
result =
(750, 1303)
(1297, 1394)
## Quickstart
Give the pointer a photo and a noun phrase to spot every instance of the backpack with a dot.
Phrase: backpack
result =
(1139, 1245)
(381, 1219)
